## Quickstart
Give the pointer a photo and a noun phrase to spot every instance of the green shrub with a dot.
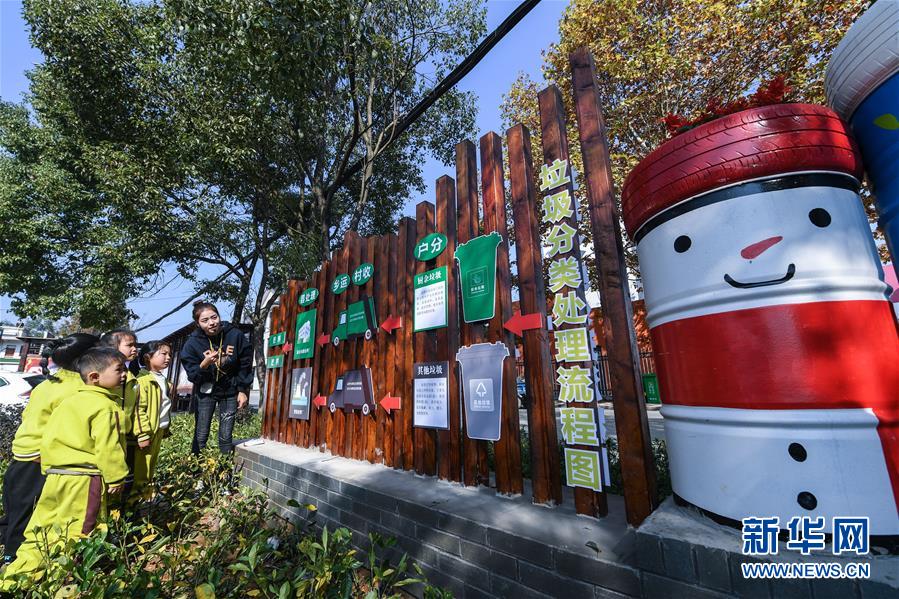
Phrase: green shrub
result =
(10, 418)
(202, 536)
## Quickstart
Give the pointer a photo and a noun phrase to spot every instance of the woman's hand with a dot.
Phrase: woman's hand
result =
(210, 356)
(242, 400)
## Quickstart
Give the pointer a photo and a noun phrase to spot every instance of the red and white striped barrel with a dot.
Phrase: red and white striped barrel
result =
(776, 347)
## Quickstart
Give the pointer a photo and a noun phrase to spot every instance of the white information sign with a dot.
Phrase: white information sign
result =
(430, 307)
(431, 392)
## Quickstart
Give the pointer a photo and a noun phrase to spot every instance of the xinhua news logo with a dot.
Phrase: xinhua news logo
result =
(806, 535)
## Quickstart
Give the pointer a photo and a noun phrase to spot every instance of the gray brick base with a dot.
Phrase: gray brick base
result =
(478, 545)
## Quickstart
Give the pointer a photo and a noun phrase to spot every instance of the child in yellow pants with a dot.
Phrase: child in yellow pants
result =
(83, 457)
(152, 414)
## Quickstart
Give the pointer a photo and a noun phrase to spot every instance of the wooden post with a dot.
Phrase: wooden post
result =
(539, 375)
(383, 361)
(406, 270)
(508, 448)
(294, 288)
(324, 355)
(475, 470)
(425, 349)
(353, 427)
(337, 422)
(449, 466)
(368, 350)
(634, 445)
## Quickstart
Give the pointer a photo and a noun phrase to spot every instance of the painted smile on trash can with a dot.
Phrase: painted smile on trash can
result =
(791, 270)
(753, 251)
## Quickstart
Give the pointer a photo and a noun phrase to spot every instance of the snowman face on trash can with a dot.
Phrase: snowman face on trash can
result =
(715, 254)
(775, 348)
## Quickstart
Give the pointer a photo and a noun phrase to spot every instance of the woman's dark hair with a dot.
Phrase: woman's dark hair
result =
(150, 348)
(203, 305)
(65, 351)
(97, 359)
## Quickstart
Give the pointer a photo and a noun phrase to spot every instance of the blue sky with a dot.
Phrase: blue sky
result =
(519, 51)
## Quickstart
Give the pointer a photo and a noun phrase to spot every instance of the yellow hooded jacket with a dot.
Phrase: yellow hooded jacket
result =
(127, 395)
(85, 434)
(44, 399)
(146, 417)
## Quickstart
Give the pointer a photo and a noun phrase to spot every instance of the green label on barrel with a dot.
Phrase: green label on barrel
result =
(341, 283)
(477, 270)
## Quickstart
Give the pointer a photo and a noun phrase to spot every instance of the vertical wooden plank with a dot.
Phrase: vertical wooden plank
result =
(475, 470)
(449, 441)
(277, 391)
(294, 288)
(508, 448)
(538, 373)
(403, 433)
(337, 435)
(425, 349)
(369, 355)
(306, 436)
(385, 272)
(318, 420)
(631, 424)
(351, 349)
(327, 354)
(283, 373)
(268, 416)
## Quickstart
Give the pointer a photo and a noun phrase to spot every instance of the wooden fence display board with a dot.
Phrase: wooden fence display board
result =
(364, 298)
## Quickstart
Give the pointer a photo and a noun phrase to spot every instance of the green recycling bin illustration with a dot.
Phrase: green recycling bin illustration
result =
(482, 388)
(358, 320)
(477, 273)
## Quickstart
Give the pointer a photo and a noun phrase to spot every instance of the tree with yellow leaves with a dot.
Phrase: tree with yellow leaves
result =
(656, 58)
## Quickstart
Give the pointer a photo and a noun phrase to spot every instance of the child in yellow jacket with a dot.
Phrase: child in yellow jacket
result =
(125, 341)
(83, 458)
(152, 414)
(23, 481)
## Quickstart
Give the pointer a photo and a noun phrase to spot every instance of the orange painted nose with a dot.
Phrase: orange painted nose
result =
(757, 249)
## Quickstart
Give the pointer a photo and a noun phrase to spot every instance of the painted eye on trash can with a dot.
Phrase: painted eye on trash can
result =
(819, 217)
(682, 244)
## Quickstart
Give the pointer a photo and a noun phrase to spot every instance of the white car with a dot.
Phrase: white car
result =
(15, 387)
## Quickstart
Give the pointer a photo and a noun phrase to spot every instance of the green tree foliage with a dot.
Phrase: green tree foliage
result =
(676, 57)
(217, 132)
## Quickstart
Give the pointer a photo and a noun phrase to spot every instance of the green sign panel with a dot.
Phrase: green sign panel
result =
(341, 283)
(429, 307)
(477, 270)
(275, 361)
(308, 297)
(363, 273)
(277, 339)
(304, 344)
(430, 247)
(651, 388)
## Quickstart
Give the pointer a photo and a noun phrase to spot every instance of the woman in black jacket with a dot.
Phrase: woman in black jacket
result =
(219, 362)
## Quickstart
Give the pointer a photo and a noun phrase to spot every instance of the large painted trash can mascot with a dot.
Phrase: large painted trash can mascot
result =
(777, 350)
(862, 85)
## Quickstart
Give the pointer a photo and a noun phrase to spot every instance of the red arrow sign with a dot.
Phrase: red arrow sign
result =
(287, 348)
(320, 400)
(522, 322)
(390, 403)
(393, 322)
(323, 339)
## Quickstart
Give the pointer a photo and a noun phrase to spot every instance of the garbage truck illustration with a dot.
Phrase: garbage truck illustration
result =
(358, 320)
(352, 391)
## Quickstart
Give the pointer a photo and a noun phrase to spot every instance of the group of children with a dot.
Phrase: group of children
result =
(90, 432)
